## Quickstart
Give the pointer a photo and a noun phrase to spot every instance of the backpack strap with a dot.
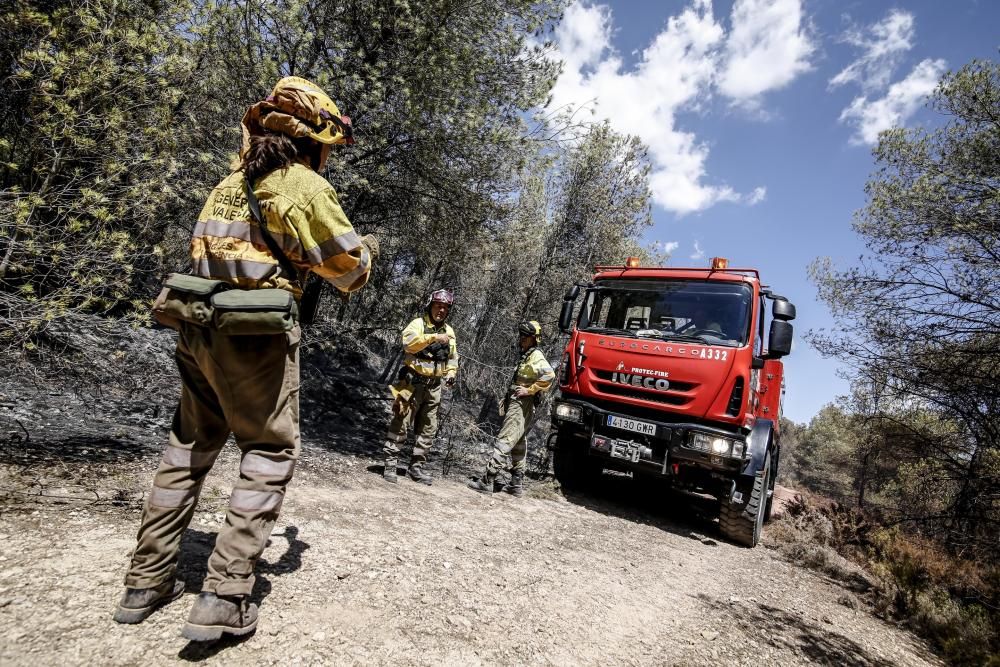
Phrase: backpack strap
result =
(272, 245)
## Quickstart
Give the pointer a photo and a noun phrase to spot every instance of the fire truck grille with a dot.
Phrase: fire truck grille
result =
(652, 396)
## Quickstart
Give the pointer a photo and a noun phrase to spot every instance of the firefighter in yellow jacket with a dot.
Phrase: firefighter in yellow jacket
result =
(532, 377)
(430, 359)
(247, 385)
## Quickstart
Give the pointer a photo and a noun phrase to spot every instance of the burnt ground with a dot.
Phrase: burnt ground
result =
(358, 571)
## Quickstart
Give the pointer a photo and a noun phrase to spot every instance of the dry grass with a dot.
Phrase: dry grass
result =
(950, 601)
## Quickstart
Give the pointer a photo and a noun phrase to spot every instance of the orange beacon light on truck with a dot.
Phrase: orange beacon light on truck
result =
(719, 263)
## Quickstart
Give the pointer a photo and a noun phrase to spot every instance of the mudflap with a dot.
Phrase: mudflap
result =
(758, 444)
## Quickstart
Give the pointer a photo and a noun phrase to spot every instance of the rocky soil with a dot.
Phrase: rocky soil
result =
(358, 571)
(361, 572)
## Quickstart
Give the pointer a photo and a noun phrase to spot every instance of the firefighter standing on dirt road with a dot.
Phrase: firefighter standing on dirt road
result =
(532, 378)
(239, 380)
(431, 357)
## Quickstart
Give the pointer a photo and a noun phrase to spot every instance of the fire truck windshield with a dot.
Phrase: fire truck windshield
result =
(710, 312)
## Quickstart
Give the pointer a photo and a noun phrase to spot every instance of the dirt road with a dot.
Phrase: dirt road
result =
(361, 572)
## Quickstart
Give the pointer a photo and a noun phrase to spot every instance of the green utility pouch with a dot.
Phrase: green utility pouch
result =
(254, 312)
(186, 298)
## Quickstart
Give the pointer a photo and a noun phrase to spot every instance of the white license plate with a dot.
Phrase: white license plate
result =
(631, 425)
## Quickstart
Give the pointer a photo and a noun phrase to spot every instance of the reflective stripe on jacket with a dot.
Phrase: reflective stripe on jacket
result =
(534, 372)
(419, 334)
(304, 218)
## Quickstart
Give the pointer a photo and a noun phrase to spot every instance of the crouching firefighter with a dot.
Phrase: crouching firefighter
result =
(533, 376)
(430, 358)
(263, 230)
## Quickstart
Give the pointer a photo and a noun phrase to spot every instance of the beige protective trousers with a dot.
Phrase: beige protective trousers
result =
(512, 438)
(422, 417)
(247, 386)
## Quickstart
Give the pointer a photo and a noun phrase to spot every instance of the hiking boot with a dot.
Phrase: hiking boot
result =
(138, 603)
(417, 474)
(484, 484)
(212, 616)
(389, 471)
(515, 486)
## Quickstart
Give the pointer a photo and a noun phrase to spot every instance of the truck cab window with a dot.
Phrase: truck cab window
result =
(713, 313)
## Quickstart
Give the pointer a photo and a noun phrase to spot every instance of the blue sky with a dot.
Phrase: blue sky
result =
(760, 116)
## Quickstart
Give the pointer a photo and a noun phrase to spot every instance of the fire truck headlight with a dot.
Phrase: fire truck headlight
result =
(713, 444)
(567, 412)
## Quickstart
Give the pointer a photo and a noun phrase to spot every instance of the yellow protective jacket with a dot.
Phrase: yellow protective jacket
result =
(534, 372)
(304, 218)
(417, 336)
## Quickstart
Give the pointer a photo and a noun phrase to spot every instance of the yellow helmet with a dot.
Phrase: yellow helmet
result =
(531, 328)
(298, 108)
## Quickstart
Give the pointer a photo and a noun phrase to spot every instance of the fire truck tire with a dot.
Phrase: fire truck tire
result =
(742, 522)
(575, 470)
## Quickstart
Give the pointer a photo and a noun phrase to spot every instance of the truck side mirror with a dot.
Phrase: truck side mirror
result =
(783, 309)
(566, 314)
(779, 340)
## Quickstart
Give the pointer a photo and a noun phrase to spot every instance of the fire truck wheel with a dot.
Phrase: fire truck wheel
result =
(575, 470)
(742, 522)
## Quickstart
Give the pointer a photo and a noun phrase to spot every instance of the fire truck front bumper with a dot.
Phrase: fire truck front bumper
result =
(646, 445)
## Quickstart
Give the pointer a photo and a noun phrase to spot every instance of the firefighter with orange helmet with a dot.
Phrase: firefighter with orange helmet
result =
(243, 379)
(430, 360)
(533, 376)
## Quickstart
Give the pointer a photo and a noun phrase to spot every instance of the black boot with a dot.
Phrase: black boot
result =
(389, 471)
(417, 474)
(484, 484)
(212, 616)
(515, 486)
(138, 603)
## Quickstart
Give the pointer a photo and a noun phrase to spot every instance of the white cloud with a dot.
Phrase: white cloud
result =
(678, 71)
(666, 247)
(767, 48)
(901, 101)
(883, 46)
(882, 106)
(583, 34)
(698, 252)
(757, 196)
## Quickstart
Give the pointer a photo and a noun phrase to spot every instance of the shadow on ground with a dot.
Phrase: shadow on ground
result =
(197, 546)
(687, 515)
(192, 567)
(201, 651)
(819, 643)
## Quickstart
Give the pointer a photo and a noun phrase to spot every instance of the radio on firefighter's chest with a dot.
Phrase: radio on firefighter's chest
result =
(436, 352)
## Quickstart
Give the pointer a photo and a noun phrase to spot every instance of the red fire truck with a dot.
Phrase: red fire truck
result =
(675, 374)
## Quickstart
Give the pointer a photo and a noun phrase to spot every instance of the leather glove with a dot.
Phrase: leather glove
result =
(369, 241)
